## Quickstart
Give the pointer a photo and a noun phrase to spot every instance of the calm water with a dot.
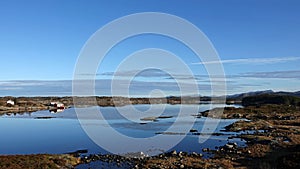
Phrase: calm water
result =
(29, 133)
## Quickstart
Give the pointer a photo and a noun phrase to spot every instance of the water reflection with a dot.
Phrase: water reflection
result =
(56, 110)
(26, 134)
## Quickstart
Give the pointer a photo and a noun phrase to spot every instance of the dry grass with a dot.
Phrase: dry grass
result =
(188, 162)
(38, 161)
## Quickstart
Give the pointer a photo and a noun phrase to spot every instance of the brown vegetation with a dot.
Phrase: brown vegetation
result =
(38, 161)
(276, 140)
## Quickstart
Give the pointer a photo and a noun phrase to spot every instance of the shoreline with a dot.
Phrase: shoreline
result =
(275, 143)
(32, 104)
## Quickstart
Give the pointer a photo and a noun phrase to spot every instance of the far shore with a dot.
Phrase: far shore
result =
(32, 104)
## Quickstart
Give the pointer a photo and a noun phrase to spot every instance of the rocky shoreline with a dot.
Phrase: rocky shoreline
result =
(273, 143)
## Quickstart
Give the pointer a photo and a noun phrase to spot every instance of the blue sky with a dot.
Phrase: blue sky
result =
(258, 42)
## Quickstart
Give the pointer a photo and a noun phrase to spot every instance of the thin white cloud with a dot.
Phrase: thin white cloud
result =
(20, 83)
(290, 74)
(253, 60)
(11, 88)
(138, 73)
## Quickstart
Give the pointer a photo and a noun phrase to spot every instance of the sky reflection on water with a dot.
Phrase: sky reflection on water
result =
(24, 134)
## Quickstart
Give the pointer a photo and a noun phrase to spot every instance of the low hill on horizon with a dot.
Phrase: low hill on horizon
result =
(255, 93)
(279, 99)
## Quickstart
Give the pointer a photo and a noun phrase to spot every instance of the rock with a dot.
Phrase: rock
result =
(237, 115)
(229, 146)
(205, 149)
(205, 113)
(181, 166)
(149, 119)
(174, 152)
(180, 154)
(194, 154)
(193, 130)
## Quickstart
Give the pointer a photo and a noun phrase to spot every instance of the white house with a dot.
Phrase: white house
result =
(10, 102)
(57, 105)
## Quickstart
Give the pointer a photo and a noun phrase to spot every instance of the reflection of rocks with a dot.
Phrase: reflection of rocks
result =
(170, 133)
(149, 119)
(165, 117)
(54, 111)
(20, 109)
(154, 118)
(44, 117)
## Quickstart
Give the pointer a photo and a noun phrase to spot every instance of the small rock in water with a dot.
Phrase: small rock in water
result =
(149, 119)
(205, 149)
(194, 154)
(229, 146)
(193, 130)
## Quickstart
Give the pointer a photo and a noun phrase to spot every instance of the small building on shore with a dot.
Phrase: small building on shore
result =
(10, 102)
(57, 105)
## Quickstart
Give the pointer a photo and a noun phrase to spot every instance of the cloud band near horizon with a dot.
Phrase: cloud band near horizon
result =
(253, 60)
